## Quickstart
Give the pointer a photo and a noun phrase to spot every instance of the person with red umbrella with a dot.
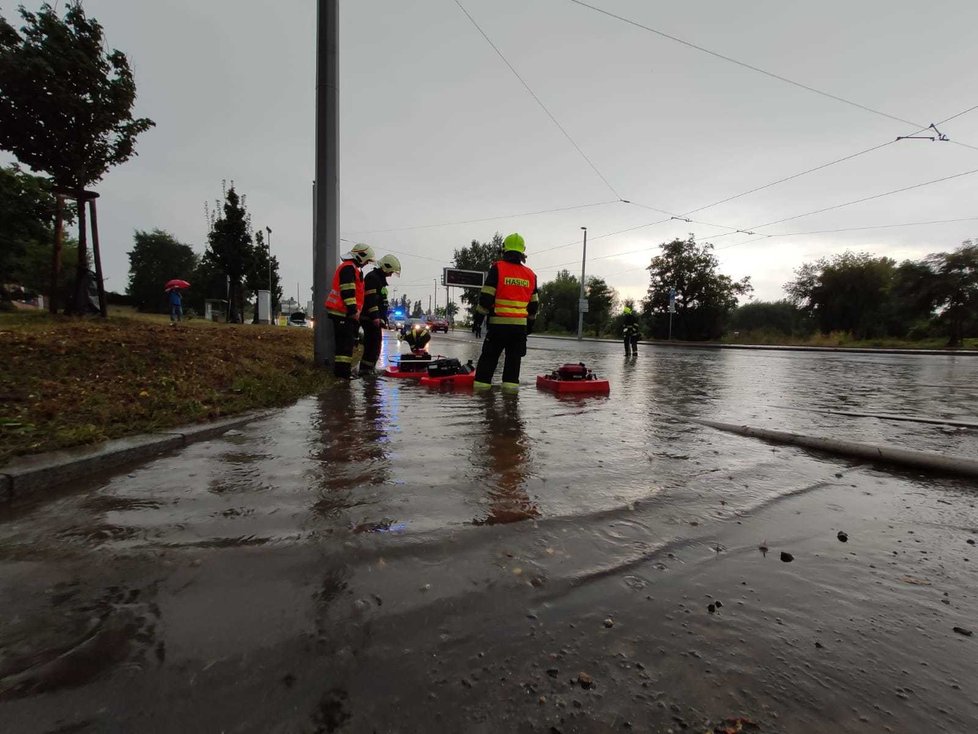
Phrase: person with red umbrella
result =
(173, 287)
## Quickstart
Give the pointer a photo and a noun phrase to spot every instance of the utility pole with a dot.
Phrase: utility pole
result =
(271, 315)
(582, 304)
(326, 228)
(436, 296)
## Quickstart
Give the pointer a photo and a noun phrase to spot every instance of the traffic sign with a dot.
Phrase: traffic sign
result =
(463, 278)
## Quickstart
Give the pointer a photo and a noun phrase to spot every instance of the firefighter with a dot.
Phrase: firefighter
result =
(344, 304)
(417, 338)
(510, 300)
(373, 318)
(630, 331)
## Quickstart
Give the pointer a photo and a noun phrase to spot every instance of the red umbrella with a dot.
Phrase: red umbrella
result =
(175, 283)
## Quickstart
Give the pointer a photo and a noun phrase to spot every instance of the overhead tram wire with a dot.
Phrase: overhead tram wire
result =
(823, 165)
(851, 203)
(489, 219)
(757, 69)
(540, 102)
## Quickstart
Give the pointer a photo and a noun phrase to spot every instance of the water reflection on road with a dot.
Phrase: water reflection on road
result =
(389, 454)
(290, 574)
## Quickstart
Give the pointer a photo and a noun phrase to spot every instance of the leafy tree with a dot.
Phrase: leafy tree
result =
(852, 292)
(27, 213)
(779, 318)
(417, 312)
(257, 276)
(155, 258)
(558, 303)
(477, 256)
(955, 288)
(65, 102)
(704, 296)
(602, 300)
(230, 249)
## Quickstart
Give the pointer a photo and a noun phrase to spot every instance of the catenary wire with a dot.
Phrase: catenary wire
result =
(757, 69)
(856, 201)
(487, 219)
(539, 101)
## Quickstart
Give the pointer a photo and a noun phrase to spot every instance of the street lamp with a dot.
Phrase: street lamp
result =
(271, 317)
(582, 303)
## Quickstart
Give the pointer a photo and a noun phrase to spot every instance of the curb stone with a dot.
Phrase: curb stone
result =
(31, 475)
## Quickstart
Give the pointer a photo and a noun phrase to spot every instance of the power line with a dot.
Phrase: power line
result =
(742, 63)
(488, 219)
(857, 201)
(824, 165)
(757, 69)
(875, 226)
(539, 101)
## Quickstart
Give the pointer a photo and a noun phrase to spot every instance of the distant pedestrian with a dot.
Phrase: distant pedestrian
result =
(510, 300)
(176, 306)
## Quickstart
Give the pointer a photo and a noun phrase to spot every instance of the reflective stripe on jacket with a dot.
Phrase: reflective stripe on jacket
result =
(345, 297)
(515, 288)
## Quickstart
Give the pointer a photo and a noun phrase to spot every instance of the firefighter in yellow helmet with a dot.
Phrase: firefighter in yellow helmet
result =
(344, 304)
(373, 318)
(509, 300)
(629, 329)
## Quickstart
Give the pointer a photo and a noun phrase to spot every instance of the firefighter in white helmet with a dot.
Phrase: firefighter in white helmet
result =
(373, 317)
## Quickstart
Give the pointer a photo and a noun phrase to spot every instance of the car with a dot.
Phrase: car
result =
(298, 318)
(437, 323)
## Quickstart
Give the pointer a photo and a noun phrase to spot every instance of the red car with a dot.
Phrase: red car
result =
(438, 324)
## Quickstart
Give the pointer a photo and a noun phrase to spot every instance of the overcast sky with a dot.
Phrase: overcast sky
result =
(436, 129)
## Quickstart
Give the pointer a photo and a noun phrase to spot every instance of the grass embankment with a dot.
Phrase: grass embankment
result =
(66, 382)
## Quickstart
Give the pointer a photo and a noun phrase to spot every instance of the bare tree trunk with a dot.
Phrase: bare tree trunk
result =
(59, 233)
(79, 301)
(102, 306)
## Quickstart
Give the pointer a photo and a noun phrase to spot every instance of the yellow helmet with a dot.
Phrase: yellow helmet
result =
(514, 243)
(390, 265)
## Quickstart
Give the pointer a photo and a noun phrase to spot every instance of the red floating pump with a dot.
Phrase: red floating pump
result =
(573, 378)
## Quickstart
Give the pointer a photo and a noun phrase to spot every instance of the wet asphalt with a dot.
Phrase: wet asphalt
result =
(387, 557)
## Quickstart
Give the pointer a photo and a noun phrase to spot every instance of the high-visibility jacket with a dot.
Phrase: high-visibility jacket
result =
(516, 287)
(345, 297)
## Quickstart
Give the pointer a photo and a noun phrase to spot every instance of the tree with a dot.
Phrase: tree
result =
(558, 303)
(230, 249)
(477, 256)
(66, 103)
(704, 296)
(602, 300)
(27, 213)
(955, 288)
(852, 292)
(417, 312)
(155, 258)
(257, 276)
(777, 318)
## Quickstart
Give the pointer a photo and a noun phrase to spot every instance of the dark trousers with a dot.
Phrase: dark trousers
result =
(499, 339)
(631, 343)
(372, 338)
(345, 331)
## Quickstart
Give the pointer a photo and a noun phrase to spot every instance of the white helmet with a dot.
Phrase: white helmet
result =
(390, 265)
(362, 253)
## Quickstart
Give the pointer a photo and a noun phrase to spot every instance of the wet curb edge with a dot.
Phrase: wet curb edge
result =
(29, 475)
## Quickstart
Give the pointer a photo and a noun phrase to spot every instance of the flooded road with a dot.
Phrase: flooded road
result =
(387, 557)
